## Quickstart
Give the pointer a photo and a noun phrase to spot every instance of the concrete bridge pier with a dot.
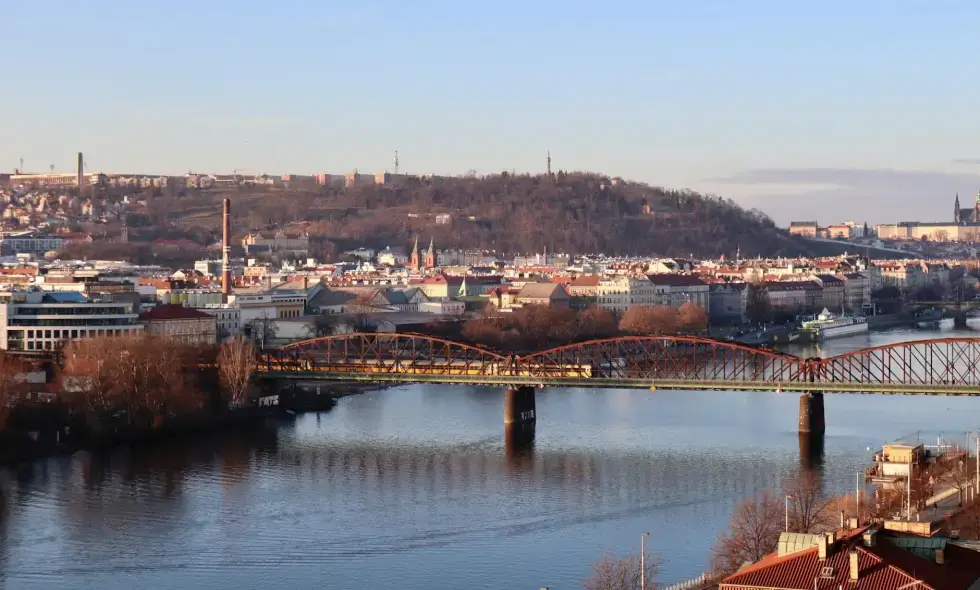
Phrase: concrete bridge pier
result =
(519, 419)
(959, 319)
(519, 406)
(812, 420)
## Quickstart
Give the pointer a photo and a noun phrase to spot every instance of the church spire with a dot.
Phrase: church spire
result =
(416, 262)
(956, 209)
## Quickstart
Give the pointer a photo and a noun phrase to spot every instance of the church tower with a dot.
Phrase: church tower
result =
(415, 256)
(430, 255)
(956, 210)
(976, 210)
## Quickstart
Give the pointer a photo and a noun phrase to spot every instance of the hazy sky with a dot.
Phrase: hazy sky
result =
(852, 109)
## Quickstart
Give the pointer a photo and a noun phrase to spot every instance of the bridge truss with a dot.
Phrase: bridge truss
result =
(947, 366)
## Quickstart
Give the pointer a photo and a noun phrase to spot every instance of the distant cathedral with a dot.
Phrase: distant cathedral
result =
(966, 215)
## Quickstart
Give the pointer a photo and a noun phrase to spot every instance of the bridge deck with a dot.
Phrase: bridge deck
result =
(614, 383)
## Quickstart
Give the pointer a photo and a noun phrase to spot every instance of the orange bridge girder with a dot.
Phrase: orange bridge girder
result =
(942, 366)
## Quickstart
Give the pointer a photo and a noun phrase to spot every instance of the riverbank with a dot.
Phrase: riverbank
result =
(54, 430)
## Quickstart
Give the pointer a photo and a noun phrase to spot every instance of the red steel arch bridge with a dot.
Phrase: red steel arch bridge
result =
(949, 366)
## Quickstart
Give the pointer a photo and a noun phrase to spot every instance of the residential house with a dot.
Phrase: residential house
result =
(584, 286)
(439, 286)
(905, 276)
(332, 301)
(474, 286)
(551, 294)
(807, 229)
(861, 559)
(502, 297)
(396, 299)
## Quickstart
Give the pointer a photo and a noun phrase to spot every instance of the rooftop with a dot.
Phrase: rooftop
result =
(173, 312)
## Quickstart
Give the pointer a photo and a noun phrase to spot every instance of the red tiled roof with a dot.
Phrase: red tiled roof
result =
(172, 311)
(881, 567)
(586, 281)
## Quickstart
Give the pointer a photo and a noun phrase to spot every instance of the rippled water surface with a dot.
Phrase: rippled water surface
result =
(413, 488)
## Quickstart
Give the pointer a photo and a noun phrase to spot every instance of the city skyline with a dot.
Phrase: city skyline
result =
(784, 109)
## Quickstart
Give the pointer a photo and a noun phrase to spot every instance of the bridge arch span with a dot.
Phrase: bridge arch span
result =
(672, 358)
(938, 362)
(383, 352)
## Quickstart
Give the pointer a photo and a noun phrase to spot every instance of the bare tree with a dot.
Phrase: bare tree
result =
(236, 364)
(11, 384)
(810, 510)
(753, 533)
(145, 377)
(322, 325)
(622, 573)
(264, 330)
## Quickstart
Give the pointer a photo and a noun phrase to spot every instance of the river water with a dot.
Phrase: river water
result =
(412, 488)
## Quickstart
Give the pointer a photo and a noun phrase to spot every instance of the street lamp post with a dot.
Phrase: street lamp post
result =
(643, 561)
(787, 514)
(857, 498)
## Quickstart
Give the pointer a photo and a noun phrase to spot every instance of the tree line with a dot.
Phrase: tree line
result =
(124, 385)
(537, 327)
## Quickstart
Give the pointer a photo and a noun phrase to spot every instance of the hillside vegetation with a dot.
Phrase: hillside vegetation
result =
(574, 213)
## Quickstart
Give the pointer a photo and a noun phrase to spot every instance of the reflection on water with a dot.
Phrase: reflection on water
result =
(418, 487)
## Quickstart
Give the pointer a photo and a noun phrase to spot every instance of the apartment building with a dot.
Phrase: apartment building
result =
(36, 320)
(619, 293)
(680, 289)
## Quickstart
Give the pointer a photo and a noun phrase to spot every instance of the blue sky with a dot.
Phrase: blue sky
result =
(859, 109)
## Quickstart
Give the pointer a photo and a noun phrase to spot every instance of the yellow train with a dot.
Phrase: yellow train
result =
(455, 368)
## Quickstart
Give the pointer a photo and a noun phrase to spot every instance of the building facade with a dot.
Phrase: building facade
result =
(185, 324)
(35, 320)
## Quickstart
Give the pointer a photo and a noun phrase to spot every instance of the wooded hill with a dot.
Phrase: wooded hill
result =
(574, 213)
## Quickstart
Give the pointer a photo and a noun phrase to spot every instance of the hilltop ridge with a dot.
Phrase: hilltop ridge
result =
(568, 212)
(574, 213)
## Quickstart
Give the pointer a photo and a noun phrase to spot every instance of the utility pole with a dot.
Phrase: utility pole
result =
(643, 561)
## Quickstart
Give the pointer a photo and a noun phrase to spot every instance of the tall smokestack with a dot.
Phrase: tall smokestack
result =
(81, 172)
(225, 249)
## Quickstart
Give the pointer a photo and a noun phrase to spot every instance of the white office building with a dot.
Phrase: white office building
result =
(37, 320)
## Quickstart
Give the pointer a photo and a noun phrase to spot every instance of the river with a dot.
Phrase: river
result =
(411, 488)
